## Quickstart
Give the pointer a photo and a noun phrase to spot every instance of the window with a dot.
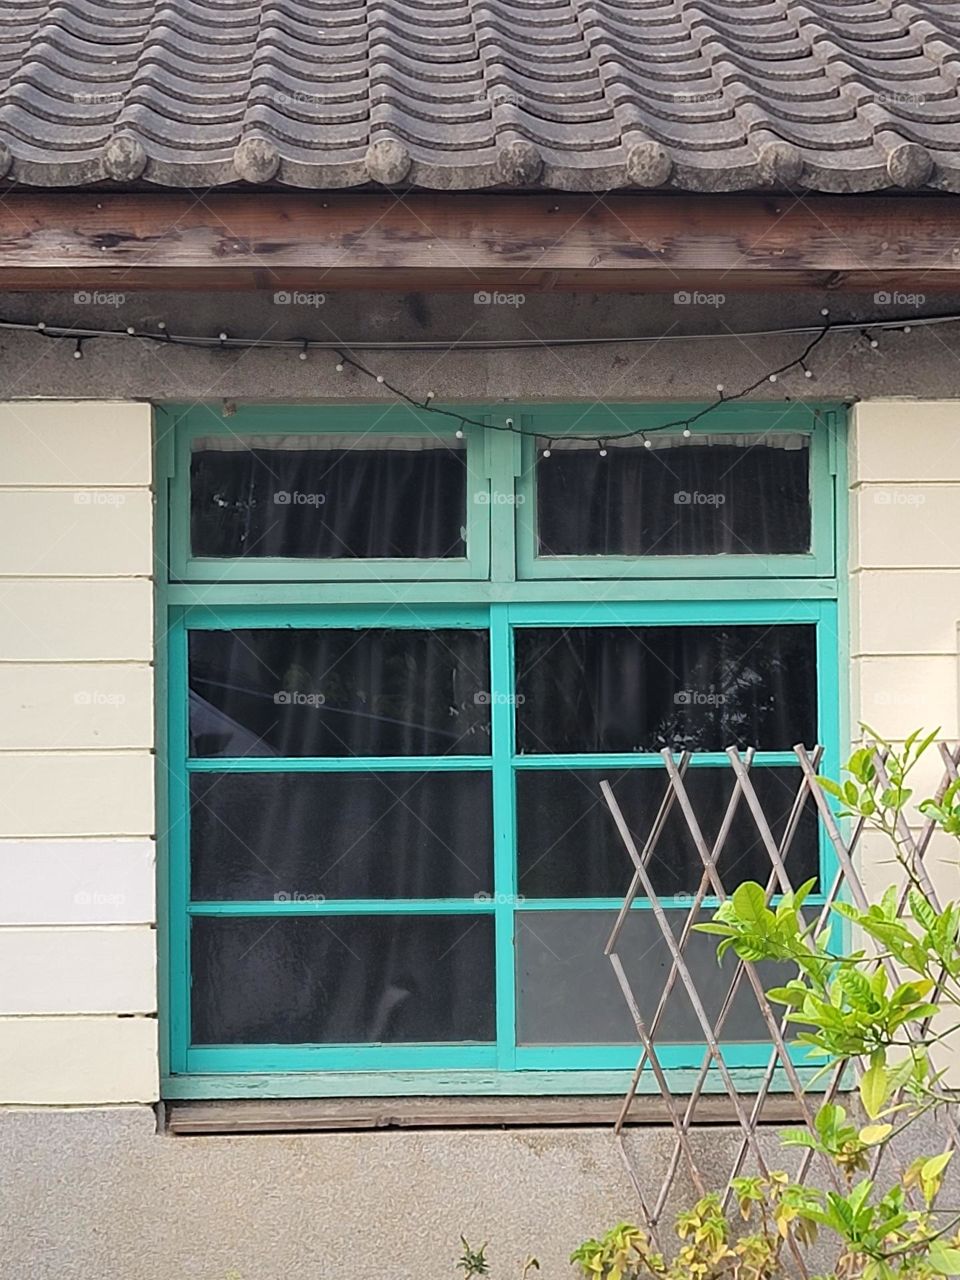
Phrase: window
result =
(400, 663)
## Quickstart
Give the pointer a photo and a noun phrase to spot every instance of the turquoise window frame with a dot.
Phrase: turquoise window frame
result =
(608, 421)
(502, 603)
(200, 421)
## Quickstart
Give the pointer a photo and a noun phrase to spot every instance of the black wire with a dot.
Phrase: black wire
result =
(425, 406)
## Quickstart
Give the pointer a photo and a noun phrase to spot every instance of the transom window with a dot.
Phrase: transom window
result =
(400, 664)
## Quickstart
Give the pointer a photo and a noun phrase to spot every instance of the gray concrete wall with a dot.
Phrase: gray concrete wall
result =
(921, 363)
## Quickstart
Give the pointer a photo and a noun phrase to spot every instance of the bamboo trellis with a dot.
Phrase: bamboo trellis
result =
(846, 883)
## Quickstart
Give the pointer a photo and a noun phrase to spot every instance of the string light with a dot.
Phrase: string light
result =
(603, 449)
(548, 450)
(687, 433)
(304, 346)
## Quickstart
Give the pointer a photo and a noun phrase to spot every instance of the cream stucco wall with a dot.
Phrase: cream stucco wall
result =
(77, 866)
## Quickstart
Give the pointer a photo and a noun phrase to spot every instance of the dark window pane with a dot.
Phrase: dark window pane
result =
(567, 992)
(328, 497)
(644, 688)
(709, 495)
(569, 846)
(340, 835)
(299, 692)
(342, 979)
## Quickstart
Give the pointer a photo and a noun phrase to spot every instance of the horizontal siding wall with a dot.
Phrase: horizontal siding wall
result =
(77, 854)
(905, 602)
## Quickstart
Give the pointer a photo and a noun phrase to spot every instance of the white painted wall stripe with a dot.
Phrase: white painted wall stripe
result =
(68, 442)
(76, 620)
(100, 794)
(86, 532)
(66, 971)
(75, 705)
(77, 882)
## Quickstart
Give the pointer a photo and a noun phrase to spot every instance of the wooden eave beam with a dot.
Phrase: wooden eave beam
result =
(521, 243)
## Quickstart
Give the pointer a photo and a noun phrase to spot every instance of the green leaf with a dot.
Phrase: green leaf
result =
(944, 1260)
(933, 1167)
(871, 1134)
(874, 1090)
(750, 902)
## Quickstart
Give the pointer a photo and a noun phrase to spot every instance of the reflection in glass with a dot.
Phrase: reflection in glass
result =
(590, 689)
(315, 692)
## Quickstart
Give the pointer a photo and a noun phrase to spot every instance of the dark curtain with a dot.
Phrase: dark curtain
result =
(374, 692)
(342, 980)
(569, 846)
(344, 503)
(612, 689)
(689, 499)
(260, 836)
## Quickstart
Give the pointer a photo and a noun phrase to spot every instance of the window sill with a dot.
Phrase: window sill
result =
(304, 1115)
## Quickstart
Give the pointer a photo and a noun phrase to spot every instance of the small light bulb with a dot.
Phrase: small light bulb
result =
(379, 377)
(648, 444)
(431, 395)
(339, 368)
(131, 330)
(78, 354)
(459, 433)
(906, 328)
(41, 325)
(161, 324)
(223, 337)
(808, 373)
(773, 377)
(303, 355)
(874, 343)
(547, 452)
(719, 386)
(603, 453)
(508, 422)
(824, 311)
(687, 433)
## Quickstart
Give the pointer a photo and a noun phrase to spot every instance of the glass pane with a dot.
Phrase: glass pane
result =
(569, 846)
(709, 495)
(342, 979)
(375, 692)
(567, 992)
(329, 497)
(644, 688)
(290, 836)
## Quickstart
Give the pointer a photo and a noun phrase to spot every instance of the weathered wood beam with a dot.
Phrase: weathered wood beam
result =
(650, 243)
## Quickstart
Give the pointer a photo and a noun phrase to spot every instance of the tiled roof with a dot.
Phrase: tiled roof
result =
(575, 95)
